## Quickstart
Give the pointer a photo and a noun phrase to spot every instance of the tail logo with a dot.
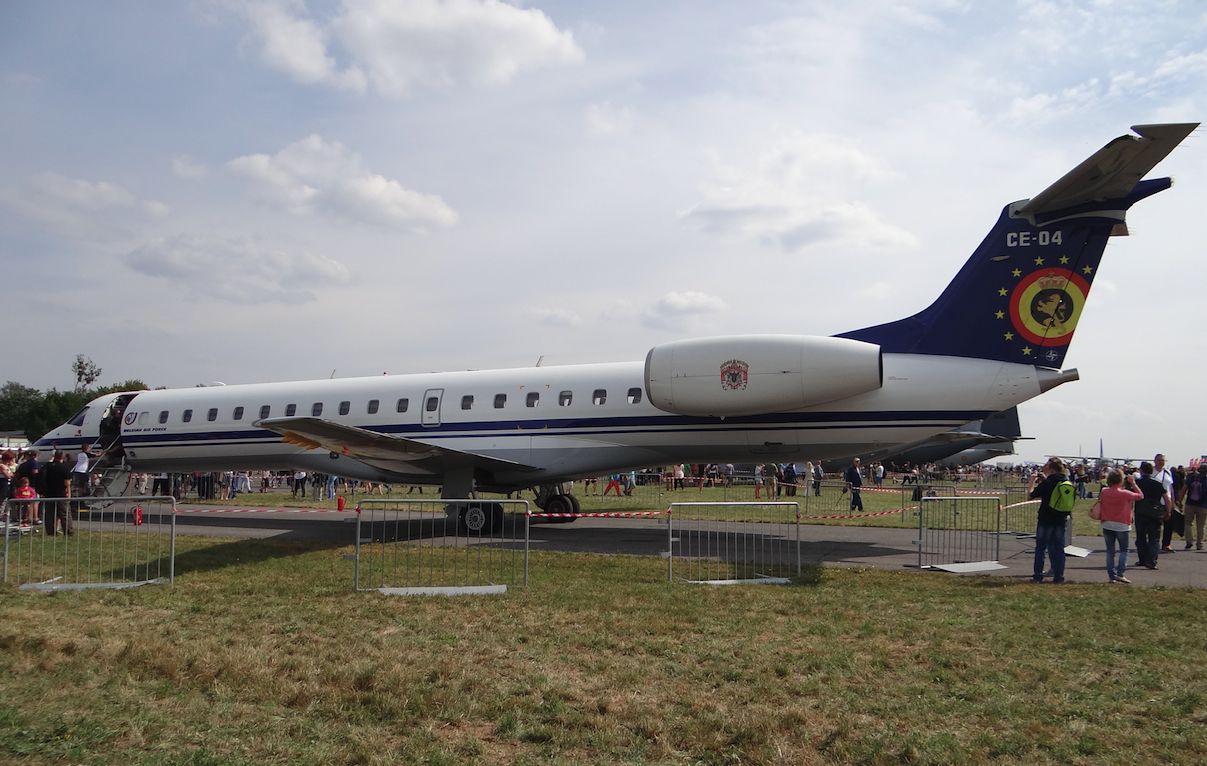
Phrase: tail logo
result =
(1046, 304)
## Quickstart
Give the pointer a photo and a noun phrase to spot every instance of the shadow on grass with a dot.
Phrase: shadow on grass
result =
(222, 555)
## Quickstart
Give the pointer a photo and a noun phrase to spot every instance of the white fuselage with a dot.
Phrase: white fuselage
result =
(584, 420)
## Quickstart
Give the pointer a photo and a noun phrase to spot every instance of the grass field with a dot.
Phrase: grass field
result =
(261, 654)
(831, 502)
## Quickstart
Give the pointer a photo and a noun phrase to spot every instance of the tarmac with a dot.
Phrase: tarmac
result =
(821, 545)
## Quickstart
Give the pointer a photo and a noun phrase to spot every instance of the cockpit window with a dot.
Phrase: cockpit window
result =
(78, 418)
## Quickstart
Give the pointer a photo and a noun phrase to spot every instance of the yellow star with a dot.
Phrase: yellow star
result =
(1009, 336)
(1064, 259)
(1039, 261)
(1026, 351)
(1002, 291)
(1088, 270)
(1000, 315)
(1017, 273)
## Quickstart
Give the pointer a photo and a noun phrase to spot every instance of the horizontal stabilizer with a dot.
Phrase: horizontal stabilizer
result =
(1112, 172)
(376, 448)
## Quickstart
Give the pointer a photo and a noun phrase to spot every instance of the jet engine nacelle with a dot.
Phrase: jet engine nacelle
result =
(758, 374)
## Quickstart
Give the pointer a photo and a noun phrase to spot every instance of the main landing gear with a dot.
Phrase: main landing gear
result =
(553, 498)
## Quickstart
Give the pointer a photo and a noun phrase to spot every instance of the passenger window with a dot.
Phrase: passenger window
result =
(291, 410)
(345, 408)
(467, 402)
(500, 401)
(186, 416)
(600, 396)
(432, 403)
(634, 396)
(563, 399)
(402, 405)
(316, 409)
(238, 415)
(163, 417)
(373, 405)
(212, 415)
(533, 399)
(265, 411)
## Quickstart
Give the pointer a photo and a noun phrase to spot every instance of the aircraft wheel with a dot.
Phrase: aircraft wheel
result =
(559, 504)
(481, 518)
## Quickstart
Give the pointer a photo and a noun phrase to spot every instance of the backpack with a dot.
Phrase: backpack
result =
(1196, 488)
(1063, 497)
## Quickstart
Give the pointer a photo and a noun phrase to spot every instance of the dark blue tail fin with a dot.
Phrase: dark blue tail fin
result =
(1021, 294)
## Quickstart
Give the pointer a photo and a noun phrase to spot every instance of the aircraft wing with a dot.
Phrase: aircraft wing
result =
(376, 448)
(1112, 171)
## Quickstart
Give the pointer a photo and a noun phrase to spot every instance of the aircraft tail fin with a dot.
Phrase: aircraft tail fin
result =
(1021, 294)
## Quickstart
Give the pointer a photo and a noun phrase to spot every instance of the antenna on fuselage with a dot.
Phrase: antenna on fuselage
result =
(538, 362)
(333, 373)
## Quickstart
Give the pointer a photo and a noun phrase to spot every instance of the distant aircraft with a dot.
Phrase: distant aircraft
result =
(995, 337)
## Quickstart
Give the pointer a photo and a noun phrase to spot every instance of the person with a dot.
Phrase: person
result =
(79, 473)
(854, 479)
(1116, 503)
(58, 484)
(1151, 514)
(879, 474)
(7, 460)
(758, 480)
(729, 471)
(771, 473)
(819, 473)
(1165, 476)
(790, 479)
(22, 491)
(1049, 522)
(31, 472)
(679, 474)
(299, 484)
(613, 483)
(806, 477)
(1194, 506)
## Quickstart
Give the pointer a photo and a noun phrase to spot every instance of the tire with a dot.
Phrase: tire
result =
(562, 504)
(480, 518)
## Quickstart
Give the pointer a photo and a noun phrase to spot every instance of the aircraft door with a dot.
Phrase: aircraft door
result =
(431, 406)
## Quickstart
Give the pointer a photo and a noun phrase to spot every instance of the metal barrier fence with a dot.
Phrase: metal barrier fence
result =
(726, 543)
(441, 547)
(107, 544)
(959, 530)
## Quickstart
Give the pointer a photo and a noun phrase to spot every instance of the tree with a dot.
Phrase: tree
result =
(86, 373)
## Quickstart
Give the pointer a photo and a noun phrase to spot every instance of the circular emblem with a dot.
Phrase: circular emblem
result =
(131, 417)
(734, 375)
(1046, 305)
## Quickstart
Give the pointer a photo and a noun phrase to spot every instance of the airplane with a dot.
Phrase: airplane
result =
(995, 337)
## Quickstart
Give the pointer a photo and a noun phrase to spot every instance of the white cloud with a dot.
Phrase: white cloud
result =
(671, 310)
(184, 166)
(236, 269)
(878, 291)
(793, 197)
(398, 45)
(557, 317)
(84, 195)
(155, 209)
(313, 176)
(606, 120)
(74, 207)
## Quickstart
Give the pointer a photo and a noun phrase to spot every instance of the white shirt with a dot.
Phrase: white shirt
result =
(81, 463)
(1166, 478)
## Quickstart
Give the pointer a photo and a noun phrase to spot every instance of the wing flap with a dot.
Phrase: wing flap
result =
(377, 448)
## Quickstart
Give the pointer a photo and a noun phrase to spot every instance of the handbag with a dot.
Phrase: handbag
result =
(1096, 511)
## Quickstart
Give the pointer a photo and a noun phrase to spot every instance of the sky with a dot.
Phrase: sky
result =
(265, 190)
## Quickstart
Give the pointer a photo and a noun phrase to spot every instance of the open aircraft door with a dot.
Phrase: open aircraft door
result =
(431, 406)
